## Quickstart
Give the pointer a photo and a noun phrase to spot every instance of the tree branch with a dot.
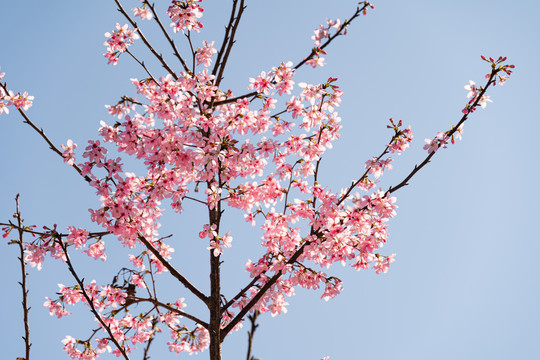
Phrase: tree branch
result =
(25, 307)
(171, 41)
(90, 300)
(145, 41)
(310, 56)
(173, 271)
(229, 41)
(42, 134)
(451, 132)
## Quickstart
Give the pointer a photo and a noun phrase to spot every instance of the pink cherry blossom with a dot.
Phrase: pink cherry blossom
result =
(143, 12)
(97, 250)
(185, 15)
(68, 153)
(204, 54)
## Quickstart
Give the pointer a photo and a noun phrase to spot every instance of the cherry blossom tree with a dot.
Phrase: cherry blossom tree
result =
(255, 155)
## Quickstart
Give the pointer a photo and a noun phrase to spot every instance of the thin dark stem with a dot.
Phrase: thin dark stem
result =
(26, 230)
(171, 41)
(25, 307)
(143, 66)
(158, 303)
(241, 293)
(228, 28)
(359, 10)
(145, 41)
(230, 42)
(89, 300)
(147, 347)
(173, 271)
(310, 56)
(449, 134)
(354, 184)
(253, 319)
(47, 140)
(262, 291)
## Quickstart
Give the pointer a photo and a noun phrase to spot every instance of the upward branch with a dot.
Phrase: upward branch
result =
(359, 10)
(89, 300)
(145, 41)
(166, 34)
(25, 307)
(173, 271)
(449, 134)
(47, 140)
(228, 42)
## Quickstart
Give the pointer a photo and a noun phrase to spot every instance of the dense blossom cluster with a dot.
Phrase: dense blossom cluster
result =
(259, 156)
(119, 41)
(185, 15)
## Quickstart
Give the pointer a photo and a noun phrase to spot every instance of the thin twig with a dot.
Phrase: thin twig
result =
(25, 307)
(42, 134)
(145, 41)
(175, 50)
(90, 301)
(230, 43)
(172, 270)
(449, 134)
(144, 67)
(149, 342)
(310, 56)
(253, 319)
(39, 233)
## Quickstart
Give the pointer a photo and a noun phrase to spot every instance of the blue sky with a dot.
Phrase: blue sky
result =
(465, 283)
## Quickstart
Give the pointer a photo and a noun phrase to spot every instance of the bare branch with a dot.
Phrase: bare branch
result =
(172, 270)
(253, 319)
(89, 300)
(145, 41)
(229, 41)
(25, 307)
(42, 134)
(449, 133)
(310, 56)
(171, 41)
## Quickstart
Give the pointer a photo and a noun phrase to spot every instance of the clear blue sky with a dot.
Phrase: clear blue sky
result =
(465, 283)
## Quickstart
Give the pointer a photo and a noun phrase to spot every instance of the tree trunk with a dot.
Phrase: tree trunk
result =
(215, 294)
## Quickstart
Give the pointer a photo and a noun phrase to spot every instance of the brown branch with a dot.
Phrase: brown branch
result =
(158, 303)
(310, 56)
(147, 347)
(171, 41)
(25, 307)
(90, 300)
(254, 326)
(145, 41)
(42, 134)
(262, 291)
(143, 66)
(173, 271)
(300, 250)
(331, 38)
(221, 51)
(354, 184)
(39, 233)
(241, 293)
(449, 134)
(229, 40)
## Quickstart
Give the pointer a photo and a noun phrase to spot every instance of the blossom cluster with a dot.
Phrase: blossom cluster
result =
(9, 98)
(143, 12)
(185, 15)
(119, 41)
